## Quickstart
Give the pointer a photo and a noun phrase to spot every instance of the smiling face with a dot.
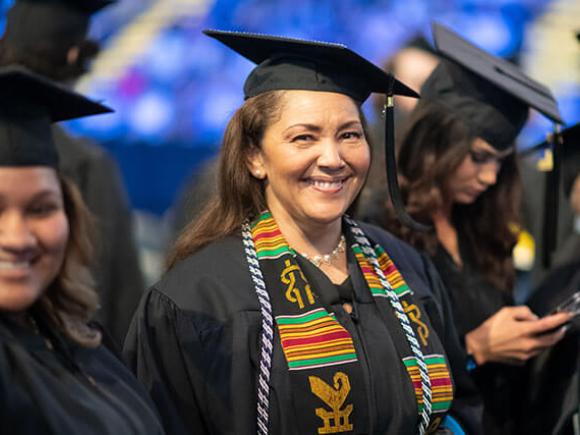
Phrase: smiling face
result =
(314, 158)
(34, 232)
(477, 172)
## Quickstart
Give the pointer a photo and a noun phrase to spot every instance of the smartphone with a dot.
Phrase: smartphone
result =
(570, 305)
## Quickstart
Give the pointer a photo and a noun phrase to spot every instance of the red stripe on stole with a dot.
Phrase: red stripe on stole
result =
(440, 382)
(266, 234)
(317, 339)
(390, 269)
(367, 269)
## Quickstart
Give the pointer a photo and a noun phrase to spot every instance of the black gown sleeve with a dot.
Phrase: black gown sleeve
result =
(154, 350)
(422, 276)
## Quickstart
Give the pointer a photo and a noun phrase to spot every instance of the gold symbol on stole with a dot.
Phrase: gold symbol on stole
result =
(292, 292)
(335, 421)
(415, 315)
(434, 425)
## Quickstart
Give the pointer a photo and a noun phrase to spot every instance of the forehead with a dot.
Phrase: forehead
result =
(305, 105)
(28, 180)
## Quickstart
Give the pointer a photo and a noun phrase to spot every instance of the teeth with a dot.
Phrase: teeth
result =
(9, 265)
(327, 184)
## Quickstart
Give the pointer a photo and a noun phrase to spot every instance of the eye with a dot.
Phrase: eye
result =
(43, 209)
(352, 135)
(481, 157)
(301, 138)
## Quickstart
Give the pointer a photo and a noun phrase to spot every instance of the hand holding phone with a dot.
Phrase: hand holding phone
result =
(571, 305)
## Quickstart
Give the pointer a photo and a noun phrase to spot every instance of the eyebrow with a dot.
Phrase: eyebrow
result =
(317, 128)
(494, 153)
(46, 194)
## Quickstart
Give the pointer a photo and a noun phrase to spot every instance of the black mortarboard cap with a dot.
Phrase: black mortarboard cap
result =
(50, 23)
(286, 63)
(29, 104)
(489, 94)
(297, 64)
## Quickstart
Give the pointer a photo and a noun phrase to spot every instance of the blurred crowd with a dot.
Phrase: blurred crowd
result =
(114, 320)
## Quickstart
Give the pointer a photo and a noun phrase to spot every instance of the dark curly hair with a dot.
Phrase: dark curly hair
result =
(71, 300)
(435, 143)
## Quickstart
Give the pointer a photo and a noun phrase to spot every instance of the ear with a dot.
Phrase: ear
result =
(255, 163)
(72, 55)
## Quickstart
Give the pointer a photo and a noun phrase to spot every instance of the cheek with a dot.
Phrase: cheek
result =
(360, 160)
(55, 236)
(465, 172)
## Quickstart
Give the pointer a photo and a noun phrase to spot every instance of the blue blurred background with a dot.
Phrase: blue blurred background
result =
(173, 88)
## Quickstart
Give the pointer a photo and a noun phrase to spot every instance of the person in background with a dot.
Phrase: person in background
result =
(533, 173)
(55, 376)
(459, 175)
(279, 314)
(50, 38)
(413, 64)
(552, 394)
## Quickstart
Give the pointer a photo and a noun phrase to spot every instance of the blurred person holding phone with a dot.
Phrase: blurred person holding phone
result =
(459, 175)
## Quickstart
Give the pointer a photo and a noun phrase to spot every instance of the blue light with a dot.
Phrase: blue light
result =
(151, 116)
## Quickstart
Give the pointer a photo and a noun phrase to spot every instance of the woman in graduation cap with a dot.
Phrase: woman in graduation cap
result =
(279, 314)
(458, 173)
(55, 376)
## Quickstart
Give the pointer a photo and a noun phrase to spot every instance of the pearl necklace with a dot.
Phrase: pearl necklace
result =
(318, 260)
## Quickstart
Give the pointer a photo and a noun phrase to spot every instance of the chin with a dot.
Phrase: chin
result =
(326, 215)
(16, 300)
(466, 199)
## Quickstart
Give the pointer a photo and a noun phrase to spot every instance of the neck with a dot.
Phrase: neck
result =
(313, 238)
(443, 213)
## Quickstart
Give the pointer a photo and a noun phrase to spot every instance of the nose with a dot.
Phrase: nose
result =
(331, 155)
(488, 173)
(15, 233)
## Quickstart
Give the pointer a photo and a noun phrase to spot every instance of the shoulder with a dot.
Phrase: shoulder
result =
(214, 279)
(415, 267)
(397, 249)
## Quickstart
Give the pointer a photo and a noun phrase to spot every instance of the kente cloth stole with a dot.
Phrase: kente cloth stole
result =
(436, 362)
(328, 387)
(327, 383)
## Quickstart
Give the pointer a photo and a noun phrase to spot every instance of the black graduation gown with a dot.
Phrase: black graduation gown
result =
(552, 394)
(117, 271)
(60, 388)
(473, 300)
(194, 344)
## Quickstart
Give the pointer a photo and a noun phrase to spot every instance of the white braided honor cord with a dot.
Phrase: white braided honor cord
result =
(369, 252)
(267, 333)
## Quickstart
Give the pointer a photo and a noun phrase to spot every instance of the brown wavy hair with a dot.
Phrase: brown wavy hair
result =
(435, 143)
(71, 300)
(239, 195)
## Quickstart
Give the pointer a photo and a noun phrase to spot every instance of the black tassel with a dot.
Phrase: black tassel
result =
(551, 200)
(391, 164)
